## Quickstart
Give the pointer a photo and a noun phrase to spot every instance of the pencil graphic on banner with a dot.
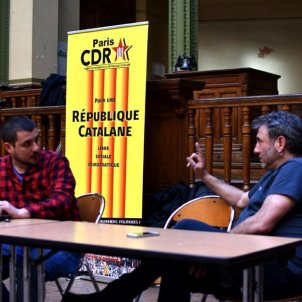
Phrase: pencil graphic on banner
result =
(89, 105)
(121, 145)
(109, 109)
(99, 150)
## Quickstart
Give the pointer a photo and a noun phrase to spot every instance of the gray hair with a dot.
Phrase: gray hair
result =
(282, 123)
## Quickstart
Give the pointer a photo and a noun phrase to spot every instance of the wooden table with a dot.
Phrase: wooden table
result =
(210, 249)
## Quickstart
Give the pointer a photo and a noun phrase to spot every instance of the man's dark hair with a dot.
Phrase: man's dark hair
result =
(13, 125)
(282, 123)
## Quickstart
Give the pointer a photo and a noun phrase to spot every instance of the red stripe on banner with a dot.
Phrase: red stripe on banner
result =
(111, 108)
(101, 81)
(89, 106)
(123, 169)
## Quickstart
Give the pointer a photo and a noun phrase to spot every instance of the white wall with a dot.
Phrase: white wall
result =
(236, 44)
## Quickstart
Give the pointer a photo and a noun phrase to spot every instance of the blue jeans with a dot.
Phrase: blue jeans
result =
(176, 284)
(58, 265)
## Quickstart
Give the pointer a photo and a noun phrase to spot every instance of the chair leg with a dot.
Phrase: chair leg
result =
(74, 275)
(59, 287)
(96, 287)
(137, 298)
(69, 285)
(204, 298)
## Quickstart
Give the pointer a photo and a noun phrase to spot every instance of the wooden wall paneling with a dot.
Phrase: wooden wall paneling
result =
(228, 83)
(166, 132)
(100, 13)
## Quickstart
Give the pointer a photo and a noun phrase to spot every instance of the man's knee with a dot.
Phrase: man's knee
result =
(189, 224)
(195, 225)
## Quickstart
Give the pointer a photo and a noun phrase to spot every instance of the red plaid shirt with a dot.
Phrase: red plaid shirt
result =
(47, 189)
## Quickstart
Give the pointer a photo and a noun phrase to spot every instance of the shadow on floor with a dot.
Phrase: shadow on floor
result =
(84, 286)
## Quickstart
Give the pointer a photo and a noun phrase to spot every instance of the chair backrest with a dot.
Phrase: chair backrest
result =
(210, 209)
(91, 207)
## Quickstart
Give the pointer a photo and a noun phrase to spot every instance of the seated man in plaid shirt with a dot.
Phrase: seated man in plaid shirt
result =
(35, 183)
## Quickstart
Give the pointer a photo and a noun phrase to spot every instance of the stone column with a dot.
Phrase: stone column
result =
(183, 30)
(33, 41)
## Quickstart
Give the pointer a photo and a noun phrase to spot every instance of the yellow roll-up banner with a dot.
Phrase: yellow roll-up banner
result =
(105, 116)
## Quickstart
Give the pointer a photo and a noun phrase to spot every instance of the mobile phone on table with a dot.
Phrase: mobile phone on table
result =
(142, 234)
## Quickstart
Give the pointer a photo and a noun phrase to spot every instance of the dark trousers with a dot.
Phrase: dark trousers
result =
(58, 265)
(177, 283)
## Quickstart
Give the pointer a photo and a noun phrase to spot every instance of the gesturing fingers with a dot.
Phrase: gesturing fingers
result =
(199, 151)
(192, 160)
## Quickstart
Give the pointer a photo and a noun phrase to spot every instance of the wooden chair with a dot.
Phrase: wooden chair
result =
(214, 211)
(91, 207)
(210, 209)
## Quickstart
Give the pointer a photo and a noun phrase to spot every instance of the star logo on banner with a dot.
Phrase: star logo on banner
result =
(121, 50)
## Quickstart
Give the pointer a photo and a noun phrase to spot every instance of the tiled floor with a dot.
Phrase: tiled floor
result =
(84, 286)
